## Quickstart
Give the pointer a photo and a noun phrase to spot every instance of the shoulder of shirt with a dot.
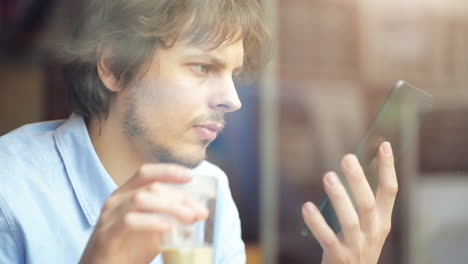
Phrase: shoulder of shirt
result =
(29, 133)
(26, 155)
(27, 149)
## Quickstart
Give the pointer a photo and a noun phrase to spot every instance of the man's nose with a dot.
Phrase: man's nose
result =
(225, 97)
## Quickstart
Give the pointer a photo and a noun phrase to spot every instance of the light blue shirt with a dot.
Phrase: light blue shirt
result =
(52, 189)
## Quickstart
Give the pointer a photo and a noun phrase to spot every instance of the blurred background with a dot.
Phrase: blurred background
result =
(335, 63)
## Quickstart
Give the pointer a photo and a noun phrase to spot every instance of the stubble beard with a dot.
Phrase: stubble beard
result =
(140, 136)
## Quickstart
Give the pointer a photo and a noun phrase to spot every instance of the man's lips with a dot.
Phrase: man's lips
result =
(209, 131)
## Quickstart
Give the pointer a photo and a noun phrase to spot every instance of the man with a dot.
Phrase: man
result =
(150, 82)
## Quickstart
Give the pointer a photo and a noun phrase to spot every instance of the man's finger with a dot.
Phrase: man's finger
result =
(320, 229)
(363, 195)
(148, 173)
(169, 205)
(344, 209)
(388, 184)
(138, 221)
(171, 190)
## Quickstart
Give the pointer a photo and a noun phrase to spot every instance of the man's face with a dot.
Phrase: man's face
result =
(177, 108)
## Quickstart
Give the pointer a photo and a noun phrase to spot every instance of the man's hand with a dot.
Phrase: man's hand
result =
(134, 218)
(365, 229)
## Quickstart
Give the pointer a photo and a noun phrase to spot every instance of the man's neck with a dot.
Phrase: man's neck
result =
(114, 149)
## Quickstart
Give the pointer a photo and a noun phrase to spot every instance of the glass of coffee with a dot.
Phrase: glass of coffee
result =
(193, 244)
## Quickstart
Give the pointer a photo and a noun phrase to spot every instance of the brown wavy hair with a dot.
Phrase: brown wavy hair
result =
(134, 29)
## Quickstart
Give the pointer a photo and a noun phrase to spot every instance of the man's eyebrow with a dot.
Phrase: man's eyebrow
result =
(213, 60)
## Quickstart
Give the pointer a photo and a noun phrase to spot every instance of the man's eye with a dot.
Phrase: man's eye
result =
(202, 68)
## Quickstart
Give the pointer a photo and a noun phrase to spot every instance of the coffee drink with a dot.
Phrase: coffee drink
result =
(198, 255)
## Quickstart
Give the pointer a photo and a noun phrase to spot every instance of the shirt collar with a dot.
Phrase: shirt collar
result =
(91, 182)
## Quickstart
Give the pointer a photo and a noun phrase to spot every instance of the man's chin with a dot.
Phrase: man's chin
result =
(189, 160)
(192, 164)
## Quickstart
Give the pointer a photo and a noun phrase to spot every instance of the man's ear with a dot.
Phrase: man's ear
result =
(104, 70)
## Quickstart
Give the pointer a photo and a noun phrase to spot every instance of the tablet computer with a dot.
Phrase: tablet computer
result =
(387, 125)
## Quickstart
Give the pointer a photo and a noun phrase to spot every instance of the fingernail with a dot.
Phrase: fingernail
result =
(309, 208)
(351, 162)
(387, 149)
(332, 179)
